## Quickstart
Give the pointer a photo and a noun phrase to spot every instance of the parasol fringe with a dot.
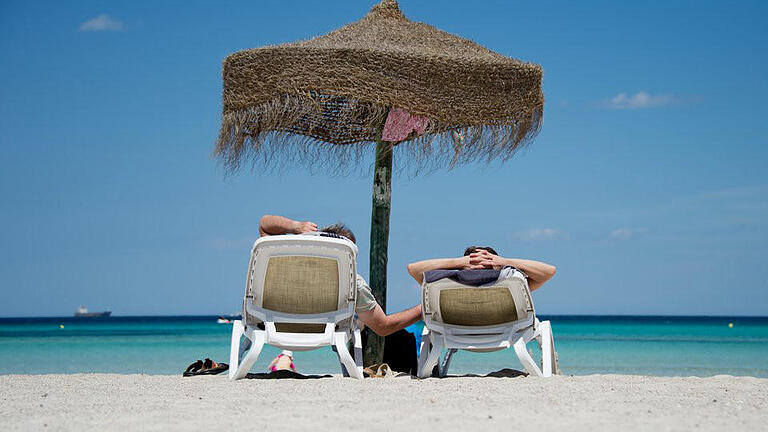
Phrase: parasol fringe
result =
(286, 131)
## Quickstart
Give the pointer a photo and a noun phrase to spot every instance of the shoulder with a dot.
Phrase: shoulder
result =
(365, 299)
(361, 282)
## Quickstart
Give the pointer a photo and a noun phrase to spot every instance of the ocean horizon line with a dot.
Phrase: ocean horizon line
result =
(545, 316)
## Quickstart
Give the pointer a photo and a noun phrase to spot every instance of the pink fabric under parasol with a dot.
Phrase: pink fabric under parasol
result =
(400, 124)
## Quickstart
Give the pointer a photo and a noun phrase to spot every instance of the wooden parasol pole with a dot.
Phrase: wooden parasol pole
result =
(373, 352)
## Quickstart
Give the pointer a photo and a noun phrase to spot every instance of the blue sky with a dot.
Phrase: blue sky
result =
(647, 186)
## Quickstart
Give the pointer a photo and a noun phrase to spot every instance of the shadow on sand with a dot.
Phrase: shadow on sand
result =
(503, 373)
(288, 374)
(284, 374)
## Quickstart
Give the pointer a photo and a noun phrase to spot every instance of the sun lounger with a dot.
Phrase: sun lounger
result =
(470, 311)
(300, 295)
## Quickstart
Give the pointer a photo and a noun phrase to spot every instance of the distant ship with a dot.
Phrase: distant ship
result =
(82, 312)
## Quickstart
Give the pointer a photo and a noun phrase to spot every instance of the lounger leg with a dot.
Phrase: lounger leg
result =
(525, 358)
(340, 342)
(358, 340)
(423, 350)
(547, 342)
(446, 362)
(433, 356)
(257, 339)
(235, 346)
(347, 339)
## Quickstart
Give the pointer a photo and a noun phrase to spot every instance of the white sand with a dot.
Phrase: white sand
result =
(598, 402)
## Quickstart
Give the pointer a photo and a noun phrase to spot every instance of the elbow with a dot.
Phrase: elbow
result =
(413, 270)
(383, 330)
(263, 221)
(386, 326)
(551, 270)
(386, 331)
(263, 224)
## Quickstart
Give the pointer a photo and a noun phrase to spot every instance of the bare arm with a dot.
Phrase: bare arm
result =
(383, 324)
(538, 272)
(417, 269)
(277, 225)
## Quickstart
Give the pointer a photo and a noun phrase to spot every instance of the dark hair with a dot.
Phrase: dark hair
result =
(340, 229)
(473, 249)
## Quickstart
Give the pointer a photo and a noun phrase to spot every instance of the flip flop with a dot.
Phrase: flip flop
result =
(207, 367)
(210, 367)
(193, 368)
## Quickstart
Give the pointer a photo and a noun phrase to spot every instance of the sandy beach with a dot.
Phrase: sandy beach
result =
(597, 402)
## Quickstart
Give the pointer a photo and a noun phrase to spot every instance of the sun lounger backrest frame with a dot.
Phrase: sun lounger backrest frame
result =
(439, 335)
(516, 285)
(312, 247)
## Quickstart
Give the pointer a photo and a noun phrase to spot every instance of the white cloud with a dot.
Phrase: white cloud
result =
(101, 23)
(626, 233)
(639, 100)
(540, 234)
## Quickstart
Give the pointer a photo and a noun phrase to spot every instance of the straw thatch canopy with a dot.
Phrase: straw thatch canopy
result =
(312, 100)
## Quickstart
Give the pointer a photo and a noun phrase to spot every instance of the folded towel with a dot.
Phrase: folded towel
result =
(465, 277)
(469, 277)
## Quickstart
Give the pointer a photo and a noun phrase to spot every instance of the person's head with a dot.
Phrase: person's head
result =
(472, 249)
(340, 229)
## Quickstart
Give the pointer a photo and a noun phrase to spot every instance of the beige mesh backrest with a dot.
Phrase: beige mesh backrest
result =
(301, 285)
(300, 275)
(477, 307)
(505, 301)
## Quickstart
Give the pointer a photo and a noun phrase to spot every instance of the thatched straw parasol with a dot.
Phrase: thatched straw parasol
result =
(327, 100)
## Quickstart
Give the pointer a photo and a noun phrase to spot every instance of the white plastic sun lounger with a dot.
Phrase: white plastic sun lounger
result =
(300, 295)
(490, 317)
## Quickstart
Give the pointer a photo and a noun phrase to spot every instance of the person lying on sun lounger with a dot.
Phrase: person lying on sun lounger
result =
(485, 257)
(367, 309)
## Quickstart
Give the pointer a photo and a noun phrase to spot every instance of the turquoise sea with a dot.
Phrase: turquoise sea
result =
(647, 345)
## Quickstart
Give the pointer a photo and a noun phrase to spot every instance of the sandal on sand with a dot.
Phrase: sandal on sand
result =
(379, 371)
(194, 367)
(207, 367)
(210, 367)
